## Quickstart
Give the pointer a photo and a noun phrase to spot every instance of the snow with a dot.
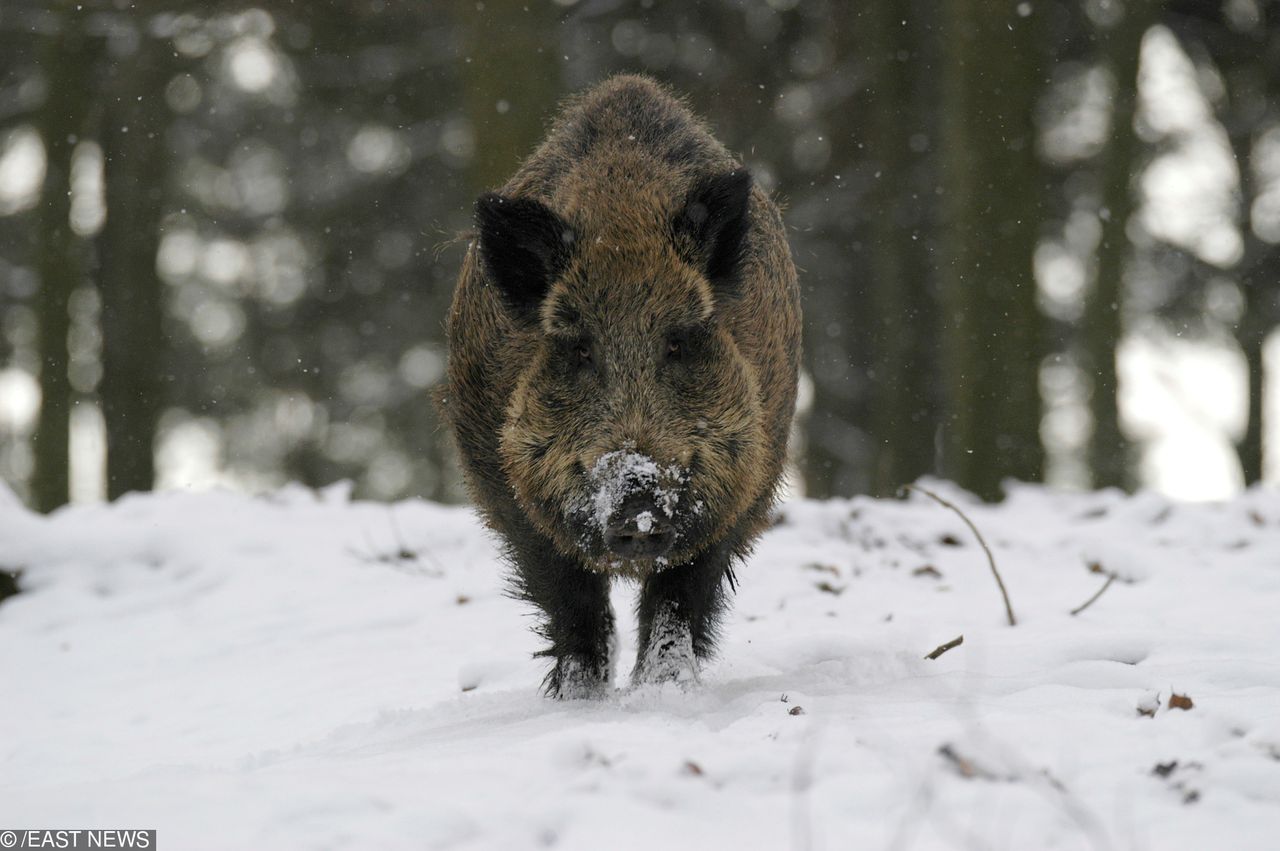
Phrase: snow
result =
(301, 671)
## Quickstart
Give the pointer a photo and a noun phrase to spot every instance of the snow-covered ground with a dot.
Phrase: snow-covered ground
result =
(301, 671)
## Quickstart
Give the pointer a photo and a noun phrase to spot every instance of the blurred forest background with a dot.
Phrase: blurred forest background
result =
(227, 229)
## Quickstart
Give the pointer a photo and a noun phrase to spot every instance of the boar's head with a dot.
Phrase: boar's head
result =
(634, 437)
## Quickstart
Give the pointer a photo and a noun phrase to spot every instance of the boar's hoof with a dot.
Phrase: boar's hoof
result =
(575, 678)
(669, 655)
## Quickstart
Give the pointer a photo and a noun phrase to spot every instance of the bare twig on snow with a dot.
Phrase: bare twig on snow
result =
(1089, 602)
(1008, 607)
(943, 648)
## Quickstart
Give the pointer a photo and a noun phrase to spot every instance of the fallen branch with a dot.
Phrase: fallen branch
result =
(971, 770)
(1008, 607)
(1089, 602)
(9, 583)
(943, 648)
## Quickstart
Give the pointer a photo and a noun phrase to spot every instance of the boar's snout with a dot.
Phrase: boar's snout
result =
(638, 529)
(630, 507)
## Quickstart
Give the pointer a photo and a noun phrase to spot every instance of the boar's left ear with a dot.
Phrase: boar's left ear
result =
(713, 225)
(525, 245)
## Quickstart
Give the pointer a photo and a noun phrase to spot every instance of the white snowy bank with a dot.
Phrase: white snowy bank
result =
(298, 671)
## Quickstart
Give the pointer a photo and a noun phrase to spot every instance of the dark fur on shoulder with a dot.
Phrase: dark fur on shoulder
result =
(624, 342)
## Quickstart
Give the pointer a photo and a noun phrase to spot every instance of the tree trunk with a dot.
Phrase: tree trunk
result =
(1108, 455)
(1255, 60)
(132, 294)
(1250, 449)
(59, 257)
(838, 454)
(903, 413)
(991, 326)
(511, 76)
(1258, 271)
(1249, 59)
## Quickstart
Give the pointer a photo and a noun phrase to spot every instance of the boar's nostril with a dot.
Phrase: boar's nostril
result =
(639, 530)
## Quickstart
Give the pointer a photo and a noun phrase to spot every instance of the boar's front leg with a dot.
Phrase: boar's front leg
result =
(680, 609)
(577, 620)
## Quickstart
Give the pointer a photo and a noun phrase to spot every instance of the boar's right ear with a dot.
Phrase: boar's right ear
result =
(712, 226)
(525, 245)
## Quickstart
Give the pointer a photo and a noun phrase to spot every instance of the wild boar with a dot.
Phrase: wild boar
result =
(623, 349)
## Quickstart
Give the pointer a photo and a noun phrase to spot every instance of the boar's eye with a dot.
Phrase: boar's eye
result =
(675, 347)
(573, 357)
(684, 345)
(579, 357)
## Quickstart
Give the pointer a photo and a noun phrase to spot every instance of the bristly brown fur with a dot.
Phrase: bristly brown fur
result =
(617, 176)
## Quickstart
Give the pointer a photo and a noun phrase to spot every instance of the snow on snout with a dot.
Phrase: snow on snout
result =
(618, 475)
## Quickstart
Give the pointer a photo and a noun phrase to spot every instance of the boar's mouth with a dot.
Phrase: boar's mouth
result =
(632, 509)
